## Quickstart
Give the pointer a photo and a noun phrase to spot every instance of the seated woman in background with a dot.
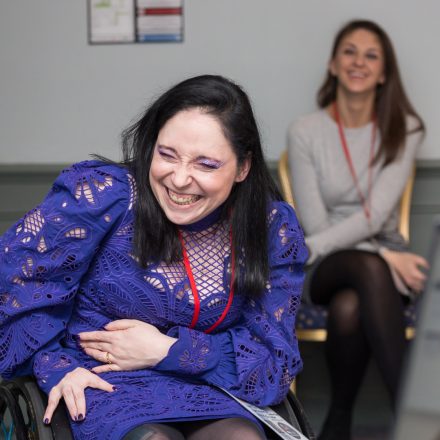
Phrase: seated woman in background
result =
(350, 162)
(138, 291)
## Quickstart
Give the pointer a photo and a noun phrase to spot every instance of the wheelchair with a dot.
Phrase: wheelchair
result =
(22, 406)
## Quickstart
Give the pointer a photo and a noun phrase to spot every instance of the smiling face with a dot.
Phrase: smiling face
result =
(358, 63)
(194, 167)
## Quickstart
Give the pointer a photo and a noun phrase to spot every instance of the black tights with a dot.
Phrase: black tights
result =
(222, 429)
(365, 318)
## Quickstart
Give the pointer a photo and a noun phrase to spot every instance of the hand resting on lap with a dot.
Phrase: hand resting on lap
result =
(126, 344)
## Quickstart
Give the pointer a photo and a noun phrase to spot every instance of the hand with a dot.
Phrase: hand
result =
(71, 387)
(126, 344)
(408, 266)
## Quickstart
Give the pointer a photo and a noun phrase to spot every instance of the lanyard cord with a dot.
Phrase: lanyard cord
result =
(194, 286)
(366, 201)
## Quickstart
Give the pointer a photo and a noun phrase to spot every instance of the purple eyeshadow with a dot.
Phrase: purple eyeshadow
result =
(210, 163)
(162, 150)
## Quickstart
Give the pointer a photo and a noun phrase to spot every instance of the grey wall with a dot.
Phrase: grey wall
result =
(61, 99)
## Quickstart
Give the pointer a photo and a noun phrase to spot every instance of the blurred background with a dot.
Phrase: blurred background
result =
(62, 99)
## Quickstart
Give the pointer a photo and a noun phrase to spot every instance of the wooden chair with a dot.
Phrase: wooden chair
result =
(312, 319)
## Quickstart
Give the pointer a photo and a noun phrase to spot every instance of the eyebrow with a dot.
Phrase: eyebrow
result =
(377, 49)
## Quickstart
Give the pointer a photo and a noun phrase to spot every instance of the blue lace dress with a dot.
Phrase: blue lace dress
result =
(68, 267)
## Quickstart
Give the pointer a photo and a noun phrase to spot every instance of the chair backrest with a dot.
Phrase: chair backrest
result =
(285, 180)
(405, 201)
(405, 205)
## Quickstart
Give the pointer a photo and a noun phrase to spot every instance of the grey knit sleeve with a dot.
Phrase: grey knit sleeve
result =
(386, 192)
(323, 237)
(310, 205)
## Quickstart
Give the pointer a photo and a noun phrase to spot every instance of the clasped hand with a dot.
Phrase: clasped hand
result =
(409, 266)
(126, 344)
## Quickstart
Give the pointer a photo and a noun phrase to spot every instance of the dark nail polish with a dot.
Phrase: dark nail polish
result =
(75, 418)
(46, 421)
(80, 417)
(115, 388)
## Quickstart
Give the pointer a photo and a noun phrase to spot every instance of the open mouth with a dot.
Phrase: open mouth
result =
(183, 199)
(356, 75)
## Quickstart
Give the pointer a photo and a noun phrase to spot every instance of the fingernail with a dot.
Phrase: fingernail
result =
(46, 421)
(80, 417)
(75, 418)
(115, 388)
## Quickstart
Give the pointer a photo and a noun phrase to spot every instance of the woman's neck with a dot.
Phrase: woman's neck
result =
(355, 111)
(205, 222)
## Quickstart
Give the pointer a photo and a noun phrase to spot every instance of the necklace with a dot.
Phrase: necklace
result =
(365, 200)
(194, 290)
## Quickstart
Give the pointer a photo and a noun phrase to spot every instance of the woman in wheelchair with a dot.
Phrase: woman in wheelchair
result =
(350, 162)
(138, 292)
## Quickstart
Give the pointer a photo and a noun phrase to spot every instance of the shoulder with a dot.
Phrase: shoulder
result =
(309, 133)
(412, 123)
(95, 183)
(308, 123)
(96, 174)
(286, 236)
(414, 136)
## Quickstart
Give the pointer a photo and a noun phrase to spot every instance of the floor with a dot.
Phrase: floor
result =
(372, 419)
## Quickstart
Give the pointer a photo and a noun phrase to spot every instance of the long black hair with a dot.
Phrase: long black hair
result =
(155, 237)
(392, 105)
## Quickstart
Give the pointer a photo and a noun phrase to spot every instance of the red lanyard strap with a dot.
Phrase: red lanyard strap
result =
(365, 200)
(192, 282)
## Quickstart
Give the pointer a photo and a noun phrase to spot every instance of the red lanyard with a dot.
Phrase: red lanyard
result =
(366, 201)
(194, 286)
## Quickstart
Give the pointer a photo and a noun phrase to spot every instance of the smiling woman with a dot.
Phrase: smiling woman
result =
(194, 167)
(358, 63)
(350, 161)
(137, 291)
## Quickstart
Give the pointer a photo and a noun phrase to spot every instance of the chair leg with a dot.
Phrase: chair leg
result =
(293, 386)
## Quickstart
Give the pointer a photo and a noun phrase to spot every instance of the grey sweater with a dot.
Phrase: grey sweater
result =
(326, 197)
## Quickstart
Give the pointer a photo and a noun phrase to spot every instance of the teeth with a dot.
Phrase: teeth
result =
(183, 199)
(357, 75)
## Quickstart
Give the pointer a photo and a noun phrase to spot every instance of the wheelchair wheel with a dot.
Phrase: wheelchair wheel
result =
(22, 407)
(292, 411)
(22, 410)
(11, 420)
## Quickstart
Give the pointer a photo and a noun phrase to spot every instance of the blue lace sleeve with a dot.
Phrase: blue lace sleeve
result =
(42, 260)
(257, 359)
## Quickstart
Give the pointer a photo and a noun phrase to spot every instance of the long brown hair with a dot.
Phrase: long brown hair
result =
(392, 105)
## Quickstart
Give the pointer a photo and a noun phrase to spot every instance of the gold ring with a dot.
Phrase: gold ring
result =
(107, 357)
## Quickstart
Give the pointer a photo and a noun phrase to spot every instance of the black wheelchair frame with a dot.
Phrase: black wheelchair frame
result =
(22, 406)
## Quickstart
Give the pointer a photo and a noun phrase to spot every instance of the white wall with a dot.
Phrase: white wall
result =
(61, 99)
